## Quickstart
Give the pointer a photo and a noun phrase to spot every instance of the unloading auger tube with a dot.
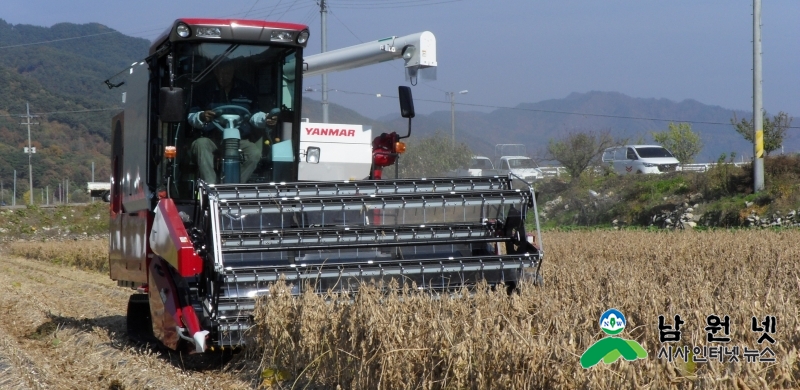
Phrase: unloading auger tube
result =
(440, 234)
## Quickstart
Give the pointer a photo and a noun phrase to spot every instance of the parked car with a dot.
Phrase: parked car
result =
(522, 166)
(478, 166)
(640, 159)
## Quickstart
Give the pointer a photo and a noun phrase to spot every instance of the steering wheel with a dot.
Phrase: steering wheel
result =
(232, 112)
(231, 109)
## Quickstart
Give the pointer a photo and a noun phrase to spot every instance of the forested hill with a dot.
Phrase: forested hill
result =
(60, 71)
(62, 79)
(69, 59)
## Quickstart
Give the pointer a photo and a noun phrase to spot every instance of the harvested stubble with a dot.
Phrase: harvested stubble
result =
(89, 255)
(534, 339)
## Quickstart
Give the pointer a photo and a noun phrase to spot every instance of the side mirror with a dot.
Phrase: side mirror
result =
(170, 105)
(406, 102)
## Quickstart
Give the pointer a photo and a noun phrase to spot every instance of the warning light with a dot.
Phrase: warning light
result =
(170, 152)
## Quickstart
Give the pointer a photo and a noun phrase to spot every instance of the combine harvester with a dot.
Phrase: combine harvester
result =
(315, 211)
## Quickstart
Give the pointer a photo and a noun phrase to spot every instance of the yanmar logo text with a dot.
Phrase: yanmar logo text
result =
(331, 132)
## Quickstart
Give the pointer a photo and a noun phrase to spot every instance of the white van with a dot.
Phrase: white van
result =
(640, 159)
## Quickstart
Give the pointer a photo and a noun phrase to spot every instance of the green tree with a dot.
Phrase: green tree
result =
(432, 156)
(774, 130)
(576, 151)
(681, 141)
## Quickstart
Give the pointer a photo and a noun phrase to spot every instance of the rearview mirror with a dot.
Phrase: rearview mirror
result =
(406, 102)
(170, 105)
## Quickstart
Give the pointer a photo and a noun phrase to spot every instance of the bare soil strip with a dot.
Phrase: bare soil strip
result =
(62, 328)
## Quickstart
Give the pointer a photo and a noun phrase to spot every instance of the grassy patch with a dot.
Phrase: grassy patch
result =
(64, 220)
(723, 196)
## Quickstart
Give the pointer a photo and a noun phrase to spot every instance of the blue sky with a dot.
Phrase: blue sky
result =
(507, 52)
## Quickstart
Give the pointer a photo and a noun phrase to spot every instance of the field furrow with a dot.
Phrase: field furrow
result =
(62, 328)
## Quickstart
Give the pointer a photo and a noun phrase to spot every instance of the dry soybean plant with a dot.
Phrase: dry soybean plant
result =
(487, 339)
(90, 255)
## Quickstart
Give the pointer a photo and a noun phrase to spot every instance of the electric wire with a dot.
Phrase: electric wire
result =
(251, 8)
(361, 4)
(274, 8)
(58, 40)
(345, 26)
(287, 10)
(265, 12)
(550, 111)
(310, 16)
(399, 4)
(62, 112)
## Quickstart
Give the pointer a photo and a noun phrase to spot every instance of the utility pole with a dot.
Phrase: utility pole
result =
(758, 118)
(29, 150)
(92, 178)
(323, 12)
(452, 96)
(14, 199)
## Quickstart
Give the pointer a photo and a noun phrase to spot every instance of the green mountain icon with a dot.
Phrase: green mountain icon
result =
(610, 349)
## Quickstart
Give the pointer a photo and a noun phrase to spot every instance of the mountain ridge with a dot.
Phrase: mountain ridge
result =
(626, 117)
(65, 79)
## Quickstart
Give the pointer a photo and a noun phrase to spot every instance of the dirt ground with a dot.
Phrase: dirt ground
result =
(62, 328)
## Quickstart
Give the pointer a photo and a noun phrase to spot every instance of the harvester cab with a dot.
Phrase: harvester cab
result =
(219, 190)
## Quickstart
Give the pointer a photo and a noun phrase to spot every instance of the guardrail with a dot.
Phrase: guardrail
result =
(706, 166)
(553, 171)
(700, 167)
(696, 167)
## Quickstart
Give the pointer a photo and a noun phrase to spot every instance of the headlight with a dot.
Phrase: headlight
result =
(183, 30)
(302, 38)
(648, 165)
(281, 36)
(209, 32)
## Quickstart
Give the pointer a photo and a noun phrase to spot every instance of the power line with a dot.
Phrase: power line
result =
(345, 26)
(65, 112)
(251, 8)
(310, 16)
(399, 4)
(57, 40)
(265, 12)
(287, 10)
(273, 9)
(551, 111)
